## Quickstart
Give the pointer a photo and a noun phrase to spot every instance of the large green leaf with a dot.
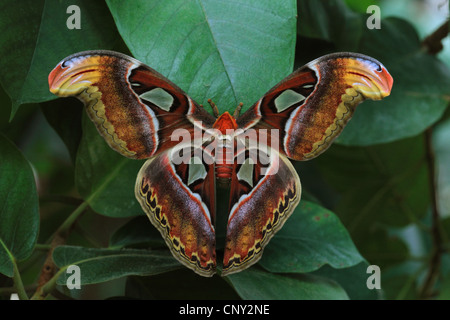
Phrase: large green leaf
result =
(64, 115)
(103, 177)
(378, 185)
(361, 5)
(100, 265)
(35, 31)
(353, 280)
(332, 21)
(394, 189)
(312, 237)
(230, 52)
(138, 231)
(256, 284)
(401, 281)
(417, 99)
(19, 207)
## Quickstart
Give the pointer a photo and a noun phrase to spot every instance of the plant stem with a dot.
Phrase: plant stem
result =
(435, 261)
(18, 284)
(42, 247)
(433, 43)
(67, 224)
(60, 199)
(43, 291)
(48, 275)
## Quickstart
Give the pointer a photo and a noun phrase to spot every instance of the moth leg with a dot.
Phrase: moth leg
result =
(237, 111)
(214, 108)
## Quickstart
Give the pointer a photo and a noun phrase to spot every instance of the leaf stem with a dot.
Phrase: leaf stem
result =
(42, 291)
(433, 43)
(42, 247)
(48, 275)
(60, 199)
(435, 261)
(67, 224)
(18, 283)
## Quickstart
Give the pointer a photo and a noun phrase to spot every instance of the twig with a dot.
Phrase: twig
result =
(49, 274)
(433, 43)
(435, 261)
(42, 247)
(18, 284)
(61, 199)
(49, 268)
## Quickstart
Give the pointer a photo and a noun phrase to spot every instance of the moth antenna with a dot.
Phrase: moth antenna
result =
(214, 108)
(237, 111)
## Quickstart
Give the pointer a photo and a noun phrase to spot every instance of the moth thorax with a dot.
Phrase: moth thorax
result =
(225, 122)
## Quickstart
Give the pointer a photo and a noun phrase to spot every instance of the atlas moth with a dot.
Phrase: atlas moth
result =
(137, 110)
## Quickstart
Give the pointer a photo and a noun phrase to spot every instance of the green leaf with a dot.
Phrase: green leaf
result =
(100, 265)
(361, 5)
(378, 186)
(64, 115)
(394, 190)
(19, 207)
(312, 237)
(36, 32)
(332, 21)
(230, 52)
(353, 280)
(105, 178)
(254, 284)
(401, 282)
(137, 231)
(417, 100)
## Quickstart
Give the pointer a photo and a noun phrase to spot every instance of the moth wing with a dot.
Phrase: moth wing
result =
(265, 189)
(311, 106)
(134, 108)
(176, 190)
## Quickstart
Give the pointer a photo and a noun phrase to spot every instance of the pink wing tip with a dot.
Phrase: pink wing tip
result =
(53, 78)
(388, 80)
